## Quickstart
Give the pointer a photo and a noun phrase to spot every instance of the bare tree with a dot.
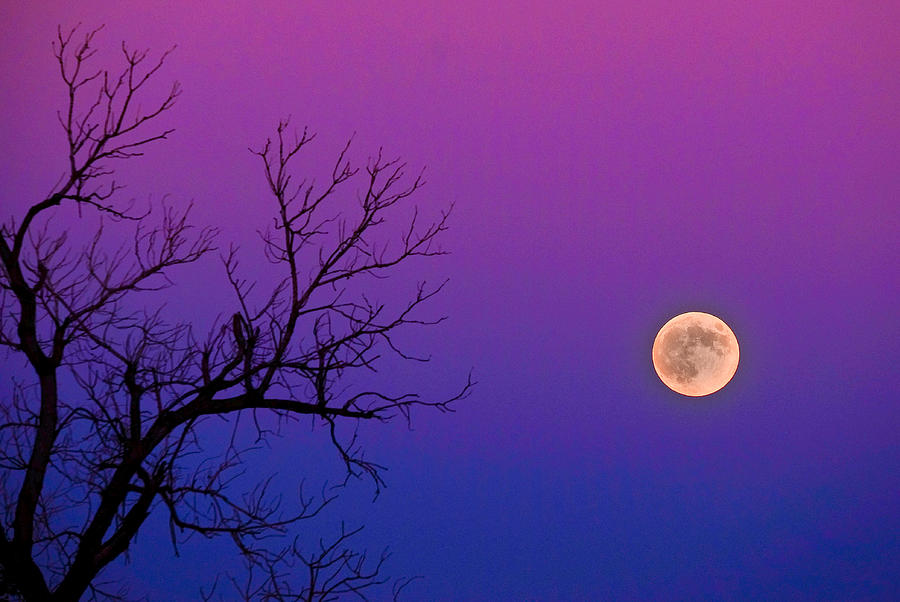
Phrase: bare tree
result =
(105, 425)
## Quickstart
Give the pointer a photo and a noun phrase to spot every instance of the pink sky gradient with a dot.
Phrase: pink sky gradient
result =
(612, 165)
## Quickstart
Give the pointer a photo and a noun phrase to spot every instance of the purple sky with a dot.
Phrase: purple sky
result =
(612, 165)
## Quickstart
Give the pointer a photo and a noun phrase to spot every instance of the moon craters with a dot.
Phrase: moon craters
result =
(695, 354)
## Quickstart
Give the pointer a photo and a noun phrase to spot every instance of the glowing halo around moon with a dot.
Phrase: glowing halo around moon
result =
(695, 354)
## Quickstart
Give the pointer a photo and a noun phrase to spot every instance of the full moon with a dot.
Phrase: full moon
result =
(695, 354)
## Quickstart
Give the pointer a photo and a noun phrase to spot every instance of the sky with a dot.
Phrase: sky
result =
(611, 165)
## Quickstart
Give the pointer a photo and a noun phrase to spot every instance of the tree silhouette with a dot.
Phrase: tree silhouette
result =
(104, 426)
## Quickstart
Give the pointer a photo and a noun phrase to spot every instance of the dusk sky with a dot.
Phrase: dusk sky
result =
(611, 165)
